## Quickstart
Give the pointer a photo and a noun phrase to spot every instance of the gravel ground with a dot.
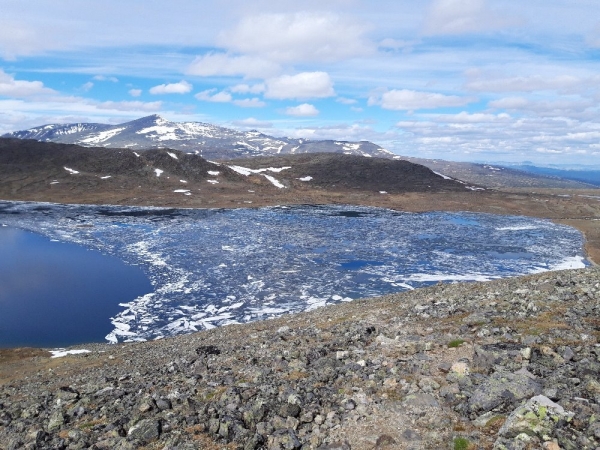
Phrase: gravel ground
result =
(507, 364)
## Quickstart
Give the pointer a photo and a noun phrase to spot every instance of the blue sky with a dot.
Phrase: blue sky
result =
(466, 80)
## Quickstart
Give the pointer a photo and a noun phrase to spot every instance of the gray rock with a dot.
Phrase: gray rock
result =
(502, 389)
(536, 420)
(145, 431)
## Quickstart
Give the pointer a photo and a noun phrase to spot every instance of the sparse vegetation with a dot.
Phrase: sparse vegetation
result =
(455, 343)
(461, 443)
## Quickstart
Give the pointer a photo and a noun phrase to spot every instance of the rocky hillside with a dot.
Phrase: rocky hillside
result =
(509, 364)
(211, 141)
(31, 170)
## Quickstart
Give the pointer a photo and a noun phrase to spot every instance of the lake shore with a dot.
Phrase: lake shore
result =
(423, 369)
(430, 368)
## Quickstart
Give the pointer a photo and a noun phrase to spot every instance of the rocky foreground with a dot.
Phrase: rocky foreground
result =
(509, 364)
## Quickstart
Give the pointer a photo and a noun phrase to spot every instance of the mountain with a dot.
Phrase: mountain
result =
(496, 176)
(589, 176)
(67, 173)
(211, 141)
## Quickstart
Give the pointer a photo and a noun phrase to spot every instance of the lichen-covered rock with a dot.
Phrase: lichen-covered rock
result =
(534, 422)
(502, 389)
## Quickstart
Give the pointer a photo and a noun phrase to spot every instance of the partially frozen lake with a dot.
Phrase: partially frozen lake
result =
(212, 267)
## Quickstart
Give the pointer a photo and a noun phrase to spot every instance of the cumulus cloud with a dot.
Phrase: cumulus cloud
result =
(183, 87)
(249, 103)
(301, 86)
(464, 16)
(135, 92)
(210, 96)
(298, 37)
(9, 87)
(223, 64)
(248, 89)
(303, 110)
(408, 100)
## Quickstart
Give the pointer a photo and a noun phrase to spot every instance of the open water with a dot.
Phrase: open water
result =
(213, 267)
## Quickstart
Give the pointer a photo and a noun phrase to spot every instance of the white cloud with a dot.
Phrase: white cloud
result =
(464, 16)
(210, 96)
(183, 87)
(593, 37)
(87, 86)
(249, 103)
(408, 100)
(248, 89)
(222, 64)
(251, 122)
(130, 106)
(474, 118)
(525, 84)
(19, 38)
(345, 101)
(574, 108)
(303, 110)
(9, 87)
(396, 44)
(106, 78)
(135, 92)
(509, 103)
(301, 86)
(298, 37)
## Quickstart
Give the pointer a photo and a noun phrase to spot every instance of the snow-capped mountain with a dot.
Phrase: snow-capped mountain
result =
(193, 137)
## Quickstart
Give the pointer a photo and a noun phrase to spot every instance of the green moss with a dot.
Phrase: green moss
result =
(542, 412)
(455, 343)
(461, 443)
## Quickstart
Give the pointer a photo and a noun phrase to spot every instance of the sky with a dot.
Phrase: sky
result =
(462, 80)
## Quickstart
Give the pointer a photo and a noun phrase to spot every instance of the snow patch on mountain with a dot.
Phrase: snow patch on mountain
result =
(211, 141)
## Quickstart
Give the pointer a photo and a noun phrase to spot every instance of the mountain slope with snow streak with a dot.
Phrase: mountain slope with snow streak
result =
(211, 141)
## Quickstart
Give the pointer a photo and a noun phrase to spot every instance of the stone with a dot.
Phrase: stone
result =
(145, 431)
(502, 388)
(57, 419)
(538, 418)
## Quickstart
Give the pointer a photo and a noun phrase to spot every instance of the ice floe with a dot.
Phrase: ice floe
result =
(158, 172)
(213, 267)
(71, 171)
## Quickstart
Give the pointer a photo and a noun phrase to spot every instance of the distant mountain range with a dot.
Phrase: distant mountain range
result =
(210, 141)
(498, 176)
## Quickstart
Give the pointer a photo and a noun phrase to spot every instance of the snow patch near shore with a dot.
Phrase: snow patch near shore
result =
(59, 353)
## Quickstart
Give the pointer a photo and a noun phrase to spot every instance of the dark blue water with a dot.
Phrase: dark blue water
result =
(56, 294)
(211, 267)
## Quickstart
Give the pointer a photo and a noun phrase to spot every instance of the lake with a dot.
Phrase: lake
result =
(213, 267)
(56, 294)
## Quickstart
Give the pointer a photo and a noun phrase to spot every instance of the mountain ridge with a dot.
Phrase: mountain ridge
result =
(211, 141)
